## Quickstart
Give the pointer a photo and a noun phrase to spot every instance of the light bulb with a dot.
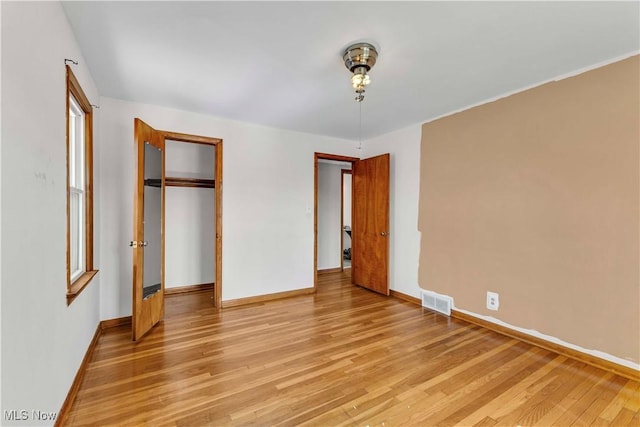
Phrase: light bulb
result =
(360, 80)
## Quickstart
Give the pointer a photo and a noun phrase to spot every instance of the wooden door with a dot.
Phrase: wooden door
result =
(148, 230)
(370, 224)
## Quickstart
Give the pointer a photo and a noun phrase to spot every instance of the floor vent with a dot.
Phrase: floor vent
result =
(440, 303)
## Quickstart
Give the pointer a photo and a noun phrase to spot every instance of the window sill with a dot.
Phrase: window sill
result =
(79, 284)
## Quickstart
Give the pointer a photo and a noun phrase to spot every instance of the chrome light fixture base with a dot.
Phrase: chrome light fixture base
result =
(359, 58)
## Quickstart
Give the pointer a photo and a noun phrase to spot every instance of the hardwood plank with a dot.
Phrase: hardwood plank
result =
(341, 356)
(582, 378)
(598, 362)
(624, 418)
(485, 422)
(506, 381)
(602, 396)
(575, 413)
(542, 397)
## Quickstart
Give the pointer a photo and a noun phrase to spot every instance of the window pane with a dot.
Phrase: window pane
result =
(72, 146)
(79, 160)
(76, 144)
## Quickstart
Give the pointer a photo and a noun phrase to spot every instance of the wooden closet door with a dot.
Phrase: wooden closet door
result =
(148, 230)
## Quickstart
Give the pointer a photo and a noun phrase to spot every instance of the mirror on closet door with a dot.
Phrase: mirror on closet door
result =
(152, 270)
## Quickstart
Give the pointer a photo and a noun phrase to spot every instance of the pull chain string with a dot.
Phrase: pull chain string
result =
(360, 128)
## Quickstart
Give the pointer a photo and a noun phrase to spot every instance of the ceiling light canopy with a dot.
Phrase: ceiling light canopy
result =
(359, 58)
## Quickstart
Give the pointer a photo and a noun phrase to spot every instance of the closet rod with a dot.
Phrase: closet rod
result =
(189, 182)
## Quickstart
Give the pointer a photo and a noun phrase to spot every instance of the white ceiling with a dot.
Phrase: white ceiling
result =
(279, 63)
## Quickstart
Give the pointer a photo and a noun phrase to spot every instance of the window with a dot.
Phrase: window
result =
(80, 269)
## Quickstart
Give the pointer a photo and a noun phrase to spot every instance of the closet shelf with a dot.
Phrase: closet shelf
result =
(171, 181)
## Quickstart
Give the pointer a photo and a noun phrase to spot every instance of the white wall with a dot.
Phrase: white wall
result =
(346, 191)
(329, 202)
(44, 340)
(404, 243)
(189, 236)
(346, 213)
(268, 199)
(189, 160)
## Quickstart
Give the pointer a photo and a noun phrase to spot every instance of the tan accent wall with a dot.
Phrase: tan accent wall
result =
(536, 196)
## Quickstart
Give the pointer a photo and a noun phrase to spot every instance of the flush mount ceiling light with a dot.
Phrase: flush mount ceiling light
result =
(359, 58)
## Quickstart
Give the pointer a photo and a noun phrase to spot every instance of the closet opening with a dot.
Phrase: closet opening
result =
(194, 165)
(190, 211)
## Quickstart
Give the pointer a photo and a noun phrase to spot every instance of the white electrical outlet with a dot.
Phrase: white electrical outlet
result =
(493, 301)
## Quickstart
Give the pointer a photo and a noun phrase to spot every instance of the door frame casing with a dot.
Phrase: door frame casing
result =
(322, 156)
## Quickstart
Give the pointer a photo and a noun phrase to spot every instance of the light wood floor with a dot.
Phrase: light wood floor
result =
(344, 356)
